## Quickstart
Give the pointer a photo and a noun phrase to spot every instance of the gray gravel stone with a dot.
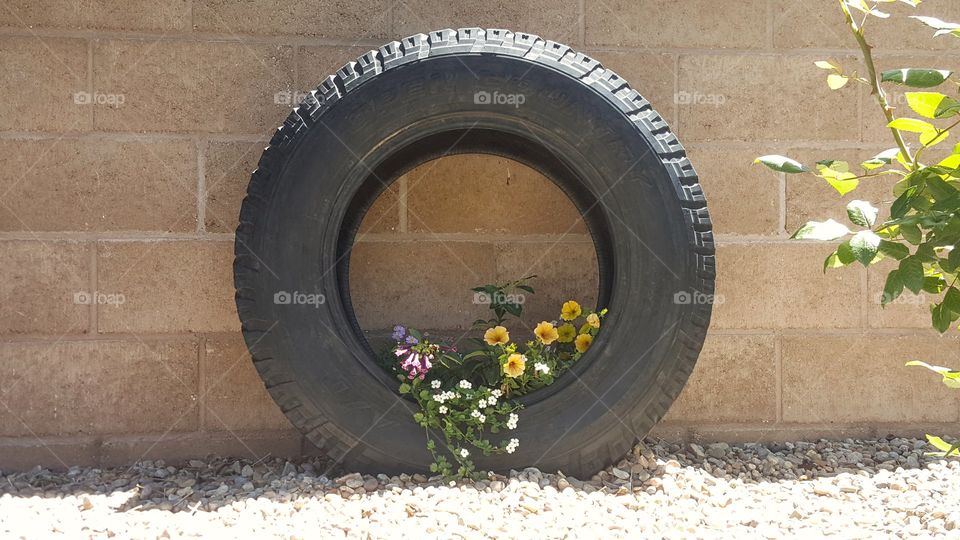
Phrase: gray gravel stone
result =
(871, 488)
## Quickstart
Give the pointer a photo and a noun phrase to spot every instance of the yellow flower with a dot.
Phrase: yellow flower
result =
(570, 311)
(566, 333)
(546, 332)
(497, 335)
(515, 365)
(583, 342)
(593, 320)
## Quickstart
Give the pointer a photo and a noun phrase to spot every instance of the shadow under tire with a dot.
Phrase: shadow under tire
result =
(474, 91)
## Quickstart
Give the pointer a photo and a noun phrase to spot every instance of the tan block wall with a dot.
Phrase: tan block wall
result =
(136, 195)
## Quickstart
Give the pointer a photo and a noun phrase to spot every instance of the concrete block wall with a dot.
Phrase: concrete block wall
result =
(128, 131)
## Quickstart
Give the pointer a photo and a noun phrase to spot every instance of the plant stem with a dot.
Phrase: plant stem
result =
(877, 90)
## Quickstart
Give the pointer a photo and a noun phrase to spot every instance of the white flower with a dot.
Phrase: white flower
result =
(540, 366)
(465, 384)
(482, 418)
(443, 409)
(512, 421)
(475, 413)
(512, 446)
(439, 398)
(435, 384)
(464, 453)
(497, 393)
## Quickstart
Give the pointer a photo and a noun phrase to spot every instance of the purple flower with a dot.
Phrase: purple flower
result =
(415, 364)
(411, 340)
(398, 332)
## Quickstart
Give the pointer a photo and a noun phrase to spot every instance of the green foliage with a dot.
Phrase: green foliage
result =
(923, 229)
(922, 232)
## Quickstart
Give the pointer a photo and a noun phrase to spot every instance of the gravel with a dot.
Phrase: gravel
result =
(852, 489)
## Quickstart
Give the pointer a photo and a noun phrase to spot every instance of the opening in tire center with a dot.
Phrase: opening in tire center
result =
(459, 222)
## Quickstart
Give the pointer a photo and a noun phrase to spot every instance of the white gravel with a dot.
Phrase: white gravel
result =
(849, 489)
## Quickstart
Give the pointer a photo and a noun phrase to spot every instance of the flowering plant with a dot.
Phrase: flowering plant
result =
(464, 397)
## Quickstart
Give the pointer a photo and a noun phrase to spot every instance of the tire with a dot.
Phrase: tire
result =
(408, 102)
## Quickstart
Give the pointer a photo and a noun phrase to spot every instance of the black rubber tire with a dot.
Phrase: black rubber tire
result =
(412, 101)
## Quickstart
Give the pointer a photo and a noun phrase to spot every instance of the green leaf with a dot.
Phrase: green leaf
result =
(933, 138)
(940, 317)
(832, 261)
(842, 181)
(942, 27)
(836, 81)
(817, 230)
(951, 377)
(893, 288)
(782, 164)
(911, 233)
(894, 249)
(932, 104)
(404, 388)
(883, 158)
(916, 77)
(954, 257)
(861, 5)
(912, 125)
(945, 448)
(951, 301)
(865, 245)
(911, 273)
(862, 213)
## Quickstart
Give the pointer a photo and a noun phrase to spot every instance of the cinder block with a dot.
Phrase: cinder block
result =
(177, 448)
(221, 87)
(44, 86)
(759, 98)
(782, 285)
(233, 394)
(45, 288)
(734, 381)
(473, 193)
(54, 453)
(227, 170)
(862, 378)
(98, 185)
(151, 15)
(423, 284)
(743, 198)
(359, 20)
(98, 387)
(556, 20)
(168, 286)
(666, 24)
